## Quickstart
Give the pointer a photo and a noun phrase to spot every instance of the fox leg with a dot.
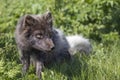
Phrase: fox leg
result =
(25, 59)
(39, 67)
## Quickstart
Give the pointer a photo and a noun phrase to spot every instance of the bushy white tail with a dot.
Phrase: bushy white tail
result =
(78, 43)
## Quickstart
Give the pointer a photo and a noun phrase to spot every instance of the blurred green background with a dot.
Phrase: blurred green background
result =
(98, 20)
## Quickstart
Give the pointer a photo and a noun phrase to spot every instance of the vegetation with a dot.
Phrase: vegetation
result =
(97, 20)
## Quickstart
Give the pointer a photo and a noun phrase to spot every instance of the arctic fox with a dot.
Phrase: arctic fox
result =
(38, 40)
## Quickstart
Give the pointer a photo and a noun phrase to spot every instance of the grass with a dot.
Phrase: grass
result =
(102, 64)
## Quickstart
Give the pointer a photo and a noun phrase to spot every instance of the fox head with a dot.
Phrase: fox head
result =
(38, 31)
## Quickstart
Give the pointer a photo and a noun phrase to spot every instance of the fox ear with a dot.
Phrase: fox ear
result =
(29, 20)
(48, 17)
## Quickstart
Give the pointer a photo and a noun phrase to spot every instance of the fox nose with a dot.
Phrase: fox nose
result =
(52, 48)
(50, 44)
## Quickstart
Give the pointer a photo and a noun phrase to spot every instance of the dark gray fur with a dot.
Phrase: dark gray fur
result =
(40, 57)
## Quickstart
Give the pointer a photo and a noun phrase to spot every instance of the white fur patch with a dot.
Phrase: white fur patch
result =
(78, 43)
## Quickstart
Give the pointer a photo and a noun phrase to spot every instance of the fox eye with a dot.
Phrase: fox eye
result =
(39, 36)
